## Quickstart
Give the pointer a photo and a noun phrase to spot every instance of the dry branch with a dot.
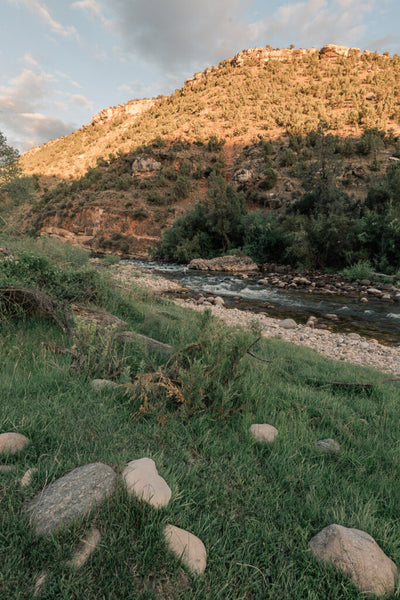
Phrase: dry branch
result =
(152, 344)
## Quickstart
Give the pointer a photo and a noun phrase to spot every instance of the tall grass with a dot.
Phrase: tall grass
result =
(254, 506)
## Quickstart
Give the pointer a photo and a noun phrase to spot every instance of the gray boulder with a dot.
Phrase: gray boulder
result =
(70, 497)
(357, 554)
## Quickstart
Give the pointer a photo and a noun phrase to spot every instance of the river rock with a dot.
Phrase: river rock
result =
(329, 446)
(357, 554)
(11, 442)
(187, 547)
(230, 264)
(70, 497)
(85, 548)
(288, 324)
(142, 479)
(262, 432)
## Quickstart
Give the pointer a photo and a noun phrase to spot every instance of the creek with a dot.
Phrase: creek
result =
(376, 319)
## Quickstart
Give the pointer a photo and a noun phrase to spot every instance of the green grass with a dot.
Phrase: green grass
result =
(254, 506)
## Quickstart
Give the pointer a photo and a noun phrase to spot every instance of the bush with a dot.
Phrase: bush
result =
(360, 270)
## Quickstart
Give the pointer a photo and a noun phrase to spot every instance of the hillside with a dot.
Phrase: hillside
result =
(260, 91)
(254, 119)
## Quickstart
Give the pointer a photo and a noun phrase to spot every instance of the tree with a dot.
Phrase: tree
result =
(9, 162)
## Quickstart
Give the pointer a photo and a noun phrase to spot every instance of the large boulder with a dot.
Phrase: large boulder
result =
(70, 497)
(230, 264)
(145, 164)
(357, 554)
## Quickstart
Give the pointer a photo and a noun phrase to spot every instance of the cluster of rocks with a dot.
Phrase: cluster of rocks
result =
(330, 285)
(352, 551)
(74, 495)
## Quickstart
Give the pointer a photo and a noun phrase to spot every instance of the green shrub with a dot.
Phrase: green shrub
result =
(360, 270)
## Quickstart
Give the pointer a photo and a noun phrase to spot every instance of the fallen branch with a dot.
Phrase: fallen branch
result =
(152, 344)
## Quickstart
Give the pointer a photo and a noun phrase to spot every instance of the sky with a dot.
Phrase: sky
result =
(62, 61)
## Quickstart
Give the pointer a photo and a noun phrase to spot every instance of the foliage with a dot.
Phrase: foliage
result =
(29, 269)
(263, 239)
(210, 228)
(9, 162)
(360, 270)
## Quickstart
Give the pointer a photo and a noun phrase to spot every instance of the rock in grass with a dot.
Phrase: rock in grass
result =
(7, 468)
(26, 479)
(288, 324)
(142, 479)
(85, 548)
(11, 442)
(357, 554)
(329, 446)
(262, 432)
(187, 547)
(70, 497)
(102, 384)
(40, 582)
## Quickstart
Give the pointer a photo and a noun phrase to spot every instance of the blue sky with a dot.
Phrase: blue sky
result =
(62, 61)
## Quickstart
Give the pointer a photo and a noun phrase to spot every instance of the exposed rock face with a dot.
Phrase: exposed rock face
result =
(145, 164)
(357, 554)
(332, 51)
(230, 264)
(134, 108)
(70, 497)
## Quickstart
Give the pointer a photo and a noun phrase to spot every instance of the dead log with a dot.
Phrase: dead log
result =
(152, 344)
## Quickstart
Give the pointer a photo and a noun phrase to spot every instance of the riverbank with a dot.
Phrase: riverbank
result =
(351, 348)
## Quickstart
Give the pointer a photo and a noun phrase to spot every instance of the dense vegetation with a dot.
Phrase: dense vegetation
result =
(326, 227)
(254, 506)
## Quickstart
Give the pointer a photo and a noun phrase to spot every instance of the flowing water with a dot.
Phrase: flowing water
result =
(377, 319)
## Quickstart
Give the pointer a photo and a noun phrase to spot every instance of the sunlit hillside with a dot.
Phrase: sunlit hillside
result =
(258, 92)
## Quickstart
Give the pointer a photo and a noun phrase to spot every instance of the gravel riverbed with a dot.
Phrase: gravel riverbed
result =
(350, 347)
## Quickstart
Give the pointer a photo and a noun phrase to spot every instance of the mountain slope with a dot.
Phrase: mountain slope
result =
(260, 91)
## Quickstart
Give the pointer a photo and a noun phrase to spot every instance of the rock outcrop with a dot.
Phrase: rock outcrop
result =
(230, 264)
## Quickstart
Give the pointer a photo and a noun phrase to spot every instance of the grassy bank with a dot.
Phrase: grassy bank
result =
(254, 506)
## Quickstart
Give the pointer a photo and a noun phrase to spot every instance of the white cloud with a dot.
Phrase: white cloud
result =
(179, 33)
(316, 22)
(23, 102)
(43, 12)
